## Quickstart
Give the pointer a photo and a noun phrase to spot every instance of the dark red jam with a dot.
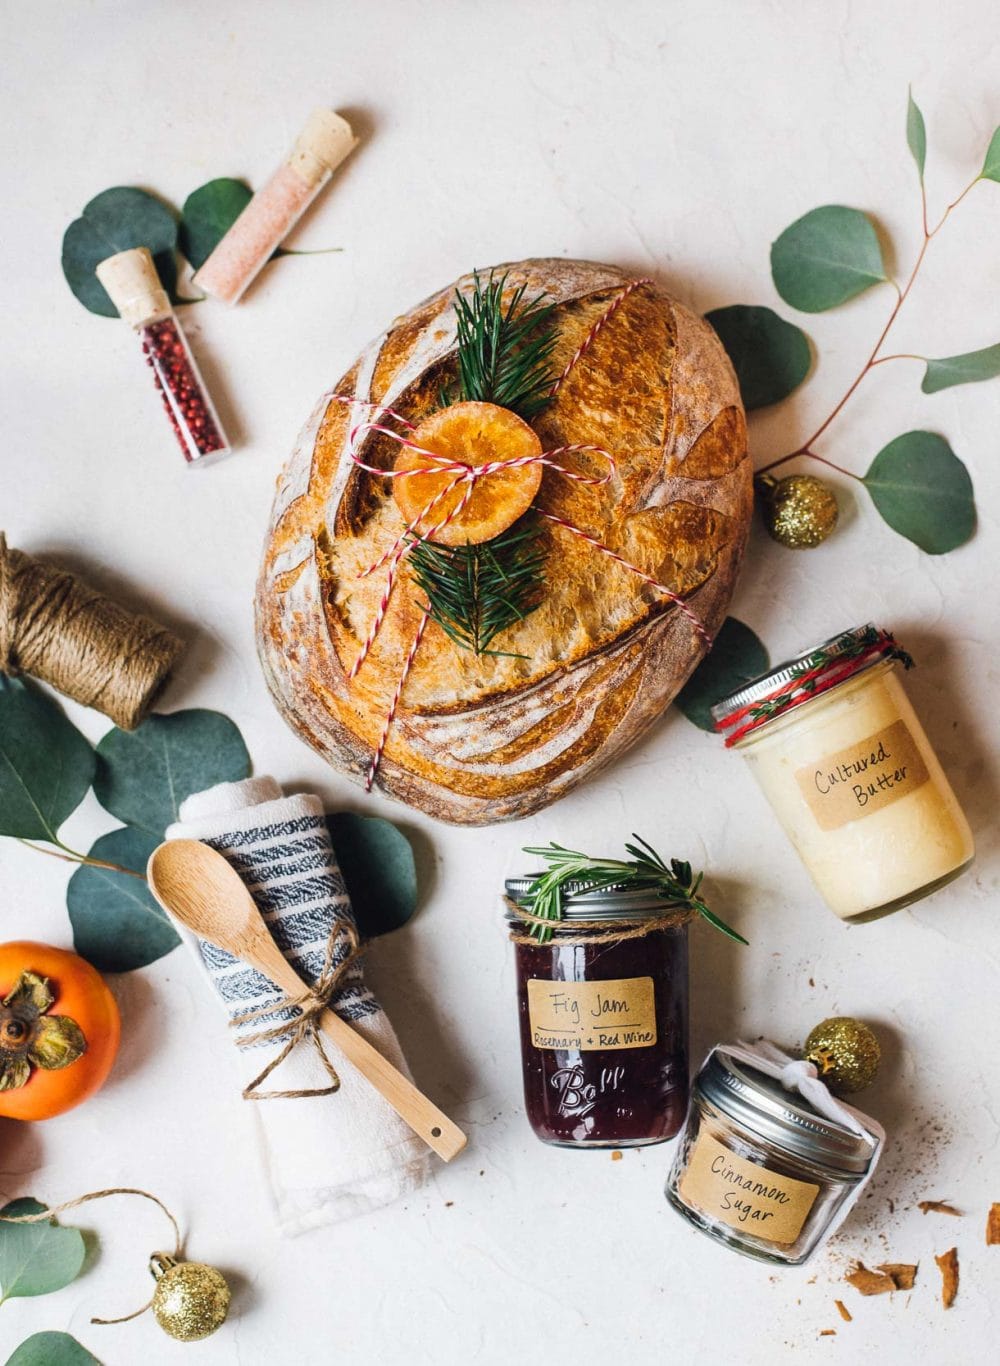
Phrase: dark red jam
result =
(604, 1037)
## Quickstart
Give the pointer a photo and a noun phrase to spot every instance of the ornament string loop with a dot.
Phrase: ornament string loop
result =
(55, 1210)
(305, 1025)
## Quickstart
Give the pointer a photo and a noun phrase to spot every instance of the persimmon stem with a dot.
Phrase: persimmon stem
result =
(71, 856)
(874, 358)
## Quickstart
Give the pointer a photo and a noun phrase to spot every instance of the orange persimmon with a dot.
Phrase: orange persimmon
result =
(59, 1030)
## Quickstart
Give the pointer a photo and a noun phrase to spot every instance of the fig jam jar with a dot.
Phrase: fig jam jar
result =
(604, 1018)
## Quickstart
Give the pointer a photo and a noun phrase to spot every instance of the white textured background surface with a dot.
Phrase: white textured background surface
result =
(678, 140)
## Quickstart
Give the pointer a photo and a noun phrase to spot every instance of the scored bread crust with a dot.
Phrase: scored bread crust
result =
(478, 740)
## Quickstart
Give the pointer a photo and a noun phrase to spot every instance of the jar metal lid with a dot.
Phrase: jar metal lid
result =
(784, 1118)
(866, 645)
(582, 901)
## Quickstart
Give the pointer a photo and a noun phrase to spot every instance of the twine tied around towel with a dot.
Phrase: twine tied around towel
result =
(595, 931)
(310, 1003)
(85, 645)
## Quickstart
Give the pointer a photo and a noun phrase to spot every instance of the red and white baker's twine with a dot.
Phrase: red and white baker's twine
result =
(468, 475)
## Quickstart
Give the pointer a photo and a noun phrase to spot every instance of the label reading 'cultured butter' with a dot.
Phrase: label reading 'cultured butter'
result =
(588, 1016)
(862, 778)
(743, 1195)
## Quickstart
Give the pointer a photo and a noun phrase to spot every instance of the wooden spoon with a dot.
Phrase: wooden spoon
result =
(196, 885)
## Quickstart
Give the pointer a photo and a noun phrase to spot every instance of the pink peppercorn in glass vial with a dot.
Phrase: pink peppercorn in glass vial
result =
(275, 209)
(134, 288)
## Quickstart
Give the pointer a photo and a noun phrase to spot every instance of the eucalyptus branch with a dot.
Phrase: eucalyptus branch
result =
(71, 856)
(874, 358)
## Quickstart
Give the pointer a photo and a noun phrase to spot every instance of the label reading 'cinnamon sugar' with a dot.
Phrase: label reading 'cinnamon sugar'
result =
(588, 1016)
(744, 1195)
(862, 778)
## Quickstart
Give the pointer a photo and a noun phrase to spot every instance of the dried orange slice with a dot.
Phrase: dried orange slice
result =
(476, 434)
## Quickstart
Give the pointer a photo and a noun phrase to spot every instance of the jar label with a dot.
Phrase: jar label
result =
(863, 778)
(588, 1016)
(744, 1195)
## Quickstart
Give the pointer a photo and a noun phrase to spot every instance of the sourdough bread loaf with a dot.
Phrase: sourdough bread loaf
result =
(481, 739)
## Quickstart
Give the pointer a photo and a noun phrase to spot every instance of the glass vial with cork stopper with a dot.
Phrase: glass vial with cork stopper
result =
(134, 288)
(275, 209)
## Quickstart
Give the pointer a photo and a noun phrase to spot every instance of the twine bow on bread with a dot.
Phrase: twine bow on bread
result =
(310, 1005)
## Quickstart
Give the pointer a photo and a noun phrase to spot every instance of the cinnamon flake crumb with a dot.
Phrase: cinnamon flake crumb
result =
(616, 1156)
(902, 1274)
(938, 1207)
(870, 1282)
(993, 1225)
(828, 1332)
(843, 1311)
(948, 1266)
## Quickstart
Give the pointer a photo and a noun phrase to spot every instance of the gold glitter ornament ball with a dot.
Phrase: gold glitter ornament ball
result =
(799, 511)
(191, 1299)
(845, 1053)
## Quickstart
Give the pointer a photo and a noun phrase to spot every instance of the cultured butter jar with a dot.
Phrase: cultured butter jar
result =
(603, 1017)
(761, 1169)
(834, 743)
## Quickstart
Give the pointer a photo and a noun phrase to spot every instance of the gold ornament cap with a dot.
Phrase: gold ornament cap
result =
(191, 1299)
(799, 511)
(845, 1053)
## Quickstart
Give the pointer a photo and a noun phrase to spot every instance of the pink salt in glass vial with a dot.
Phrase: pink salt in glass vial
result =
(274, 210)
(134, 287)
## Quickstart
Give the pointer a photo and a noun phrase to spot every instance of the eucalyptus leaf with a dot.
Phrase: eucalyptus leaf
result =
(968, 368)
(117, 923)
(991, 166)
(826, 257)
(737, 656)
(51, 1349)
(771, 357)
(46, 765)
(377, 862)
(208, 214)
(916, 134)
(923, 491)
(36, 1259)
(114, 221)
(143, 775)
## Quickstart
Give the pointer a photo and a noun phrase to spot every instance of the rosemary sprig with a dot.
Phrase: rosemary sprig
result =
(504, 350)
(676, 884)
(476, 591)
(844, 647)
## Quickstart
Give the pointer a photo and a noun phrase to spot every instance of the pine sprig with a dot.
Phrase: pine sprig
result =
(676, 884)
(476, 591)
(504, 350)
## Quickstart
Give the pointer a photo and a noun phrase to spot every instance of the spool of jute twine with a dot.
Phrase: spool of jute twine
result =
(82, 643)
(594, 931)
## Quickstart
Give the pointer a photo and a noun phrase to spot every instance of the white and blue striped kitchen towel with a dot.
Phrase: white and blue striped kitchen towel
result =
(327, 1157)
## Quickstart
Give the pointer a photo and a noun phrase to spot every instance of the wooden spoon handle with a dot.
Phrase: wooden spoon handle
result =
(412, 1106)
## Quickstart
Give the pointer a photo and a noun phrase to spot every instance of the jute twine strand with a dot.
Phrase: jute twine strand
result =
(597, 931)
(51, 1213)
(82, 643)
(311, 1004)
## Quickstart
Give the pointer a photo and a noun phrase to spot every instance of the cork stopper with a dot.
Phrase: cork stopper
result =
(134, 287)
(321, 146)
